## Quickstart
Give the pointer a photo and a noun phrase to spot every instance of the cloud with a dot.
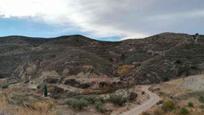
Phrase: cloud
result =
(126, 18)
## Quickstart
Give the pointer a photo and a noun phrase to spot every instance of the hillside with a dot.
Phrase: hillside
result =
(184, 93)
(86, 73)
(150, 60)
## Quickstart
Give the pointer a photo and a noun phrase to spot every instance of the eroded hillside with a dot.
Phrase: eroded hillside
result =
(82, 72)
(153, 59)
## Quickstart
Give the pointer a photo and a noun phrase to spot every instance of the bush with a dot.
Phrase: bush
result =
(90, 98)
(178, 62)
(19, 99)
(99, 106)
(118, 100)
(201, 106)
(123, 70)
(190, 104)
(201, 99)
(77, 103)
(81, 101)
(165, 78)
(158, 112)
(168, 106)
(132, 96)
(4, 85)
(145, 113)
(184, 111)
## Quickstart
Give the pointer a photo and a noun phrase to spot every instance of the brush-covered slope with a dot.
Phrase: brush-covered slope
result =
(150, 60)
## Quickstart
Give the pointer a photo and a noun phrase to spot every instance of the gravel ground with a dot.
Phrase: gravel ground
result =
(193, 83)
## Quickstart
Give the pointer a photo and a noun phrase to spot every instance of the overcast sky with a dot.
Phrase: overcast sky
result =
(100, 19)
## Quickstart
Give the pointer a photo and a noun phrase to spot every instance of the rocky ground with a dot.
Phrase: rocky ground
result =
(181, 97)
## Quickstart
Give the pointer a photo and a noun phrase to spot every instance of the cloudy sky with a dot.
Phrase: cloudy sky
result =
(100, 19)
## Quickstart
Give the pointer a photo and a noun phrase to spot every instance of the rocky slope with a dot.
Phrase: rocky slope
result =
(151, 60)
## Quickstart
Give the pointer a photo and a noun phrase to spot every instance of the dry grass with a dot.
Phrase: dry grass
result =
(37, 108)
(159, 111)
(124, 69)
(43, 105)
(182, 91)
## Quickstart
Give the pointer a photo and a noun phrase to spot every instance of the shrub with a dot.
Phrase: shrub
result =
(4, 85)
(81, 101)
(201, 106)
(168, 106)
(132, 96)
(99, 106)
(123, 70)
(18, 99)
(158, 112)
(166, 78)
(201, 99)
(118, 99)
(178, 62)
(77, 103)
(184, 111)
(190, 104)
(145, 113)
(90, 98)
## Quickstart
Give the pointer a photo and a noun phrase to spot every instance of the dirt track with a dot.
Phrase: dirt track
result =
(154, 98)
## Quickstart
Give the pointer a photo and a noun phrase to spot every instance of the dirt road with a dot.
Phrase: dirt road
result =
(146, 105)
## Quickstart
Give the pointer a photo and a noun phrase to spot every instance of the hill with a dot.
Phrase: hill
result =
(150, 60)
(86, 73)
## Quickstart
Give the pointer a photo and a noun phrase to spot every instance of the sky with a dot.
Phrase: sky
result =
(109, 20)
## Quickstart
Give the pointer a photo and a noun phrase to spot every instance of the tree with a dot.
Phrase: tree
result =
(196, 37)
(45, 92)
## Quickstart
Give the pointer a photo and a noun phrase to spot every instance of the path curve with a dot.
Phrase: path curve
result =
(153, 100)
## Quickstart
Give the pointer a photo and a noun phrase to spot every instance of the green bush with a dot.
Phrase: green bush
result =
(201, 99)
(183, 111)
(4, 85)
(166, 78)
(190, 104)
(90, 98)
(99, 106)
(77, 103)
(168, 106)
(81, 101)
(118, 99)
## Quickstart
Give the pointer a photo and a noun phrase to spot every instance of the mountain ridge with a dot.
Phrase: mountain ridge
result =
(127, 58)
